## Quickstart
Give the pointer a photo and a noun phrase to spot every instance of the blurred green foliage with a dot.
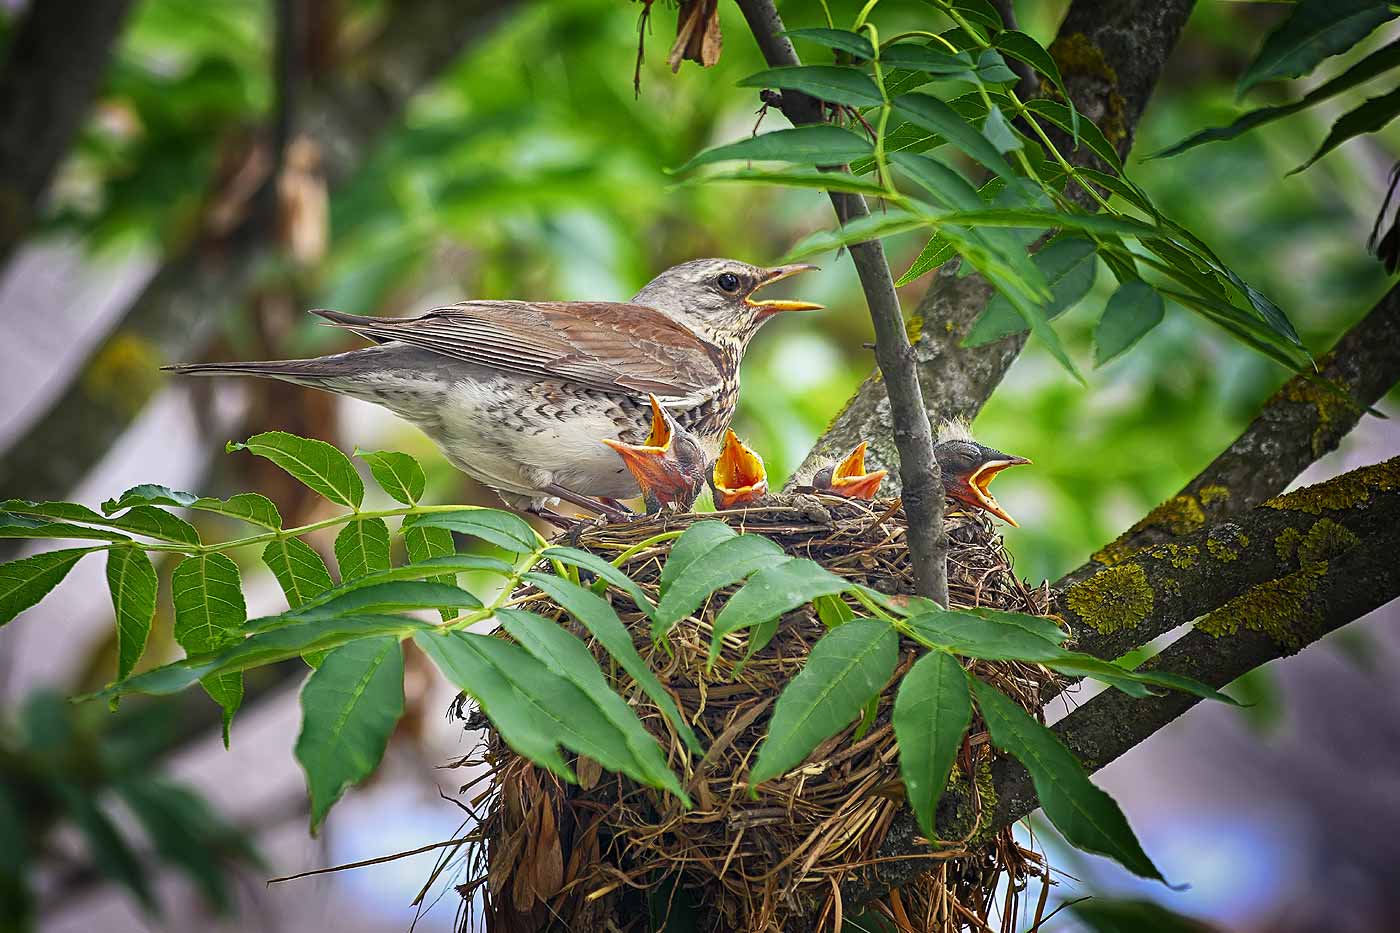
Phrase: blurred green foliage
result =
(531, 171)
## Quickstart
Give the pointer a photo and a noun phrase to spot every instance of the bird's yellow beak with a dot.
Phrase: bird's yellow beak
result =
(979, 495)
(738, 475)
(849, 479)
(776, 305)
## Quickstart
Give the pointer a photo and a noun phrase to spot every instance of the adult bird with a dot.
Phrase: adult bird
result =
(518, 393)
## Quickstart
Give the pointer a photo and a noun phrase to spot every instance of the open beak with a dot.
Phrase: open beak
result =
(849, 479)
(651, 463)
(738, 475)
(973, 489)
(776, 305)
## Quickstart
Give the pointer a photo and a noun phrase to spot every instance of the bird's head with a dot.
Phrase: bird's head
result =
(738, 475)
(969, 467)
(715, 297)
(849, 478)
(669, 467)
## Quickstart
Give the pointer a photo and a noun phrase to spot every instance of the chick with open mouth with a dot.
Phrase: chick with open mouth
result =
(969, 467)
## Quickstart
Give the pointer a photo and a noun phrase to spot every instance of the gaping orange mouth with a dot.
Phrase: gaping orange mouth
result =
(648, 461)
(982, 477)
(776, 305)
(738, 475)
(850, 479)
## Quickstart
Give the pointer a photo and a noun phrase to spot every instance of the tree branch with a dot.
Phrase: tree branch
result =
(919, 475)
(1306, 564)
(1302, 422)
(1111, 55)
(55, 66)
(192, 294)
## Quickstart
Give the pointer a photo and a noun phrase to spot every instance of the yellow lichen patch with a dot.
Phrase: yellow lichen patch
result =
(1344, 492)
(1324, 541)
(914, 327)
(1180, 556)
(1274, 608)
(1326, 401)
(1213, 494)
(126, 371)
(1287, 543)
(1220, 550)
(1077, 55)
(1179, 515)
(1224, 542)
(1113, 599)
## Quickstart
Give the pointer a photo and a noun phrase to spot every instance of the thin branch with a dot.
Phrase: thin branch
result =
(189, 297)
(1300, 424)
(1118, 53)
(919, 474)
(56, 62)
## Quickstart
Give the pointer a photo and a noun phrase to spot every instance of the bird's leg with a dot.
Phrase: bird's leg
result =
(613, 512)
(562, 522)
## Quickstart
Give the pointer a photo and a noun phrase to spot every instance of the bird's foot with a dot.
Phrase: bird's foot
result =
(610, 509)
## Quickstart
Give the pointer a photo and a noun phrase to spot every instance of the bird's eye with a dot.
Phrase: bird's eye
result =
(728, 281)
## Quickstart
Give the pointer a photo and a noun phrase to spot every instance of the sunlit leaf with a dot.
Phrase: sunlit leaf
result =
(724, 564)
(26, 581)
(931, 713)
(209, 612)
(299, 570)
(1021, 46)
(595, 614)
(397, 473)
(392, 596)
(694, 542)
(594, 564)
(502, 529)
(1314, 30)
(362, 547)
(835, 83)
(1134, 309)
(848, 666)
(157, 523)
(349, 707)
(323, 468)
(23, 526)
(424, 543)
(1087, 817)
(935, 253)
(771, 592)
(937, 117)
(132, 583)
(428, 569)
(247, 506)
(818, 144)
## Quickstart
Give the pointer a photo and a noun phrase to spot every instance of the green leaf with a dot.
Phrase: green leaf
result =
(131, 580)
(1375, 113)
(848, 666)
(22, 526)
(429, 569)
(108, 851)
(1029, 217)
(1134, 309)
(771, 592)
(157, 523)
(1378, 62)
(362, 547)
(931, 713)
(992, 69)
(948, 187)
(933, 61)
(979, 12)
(502, 529)
(427, 543)
(1022, 47)
(959, 632)
(723, 565)
(999, 131)
(1037, 625)
(861, 229)
(398, 474)
(935, 253)
(1089, 133)
(150, 494)
(209, 613)
(54, 511)
(1107, 915)
(567, 656)
(185, 833)
(26, 581)
(533, 709)
(604, 570)
(389, 597)
(1106, 672)
(595, 614)
(247, 506)
(1088, 818)
(937, 117)
(260, 649)
(837, 84)
(1068, 265)
(832, 610)
(349, 707)
(299, 570)
(322, 467)
(695, 542)
(1184, 684)
(817, 144)
(824, 181)
(1314, 30)
(839, 39)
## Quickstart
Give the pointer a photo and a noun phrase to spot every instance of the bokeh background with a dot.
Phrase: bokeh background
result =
(528, 169)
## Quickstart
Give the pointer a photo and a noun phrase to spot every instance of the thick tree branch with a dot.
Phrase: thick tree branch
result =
(911, 433)
(55, 66)
(1302, 422)
(193, 293)
(1305, 564)
(1111, 55)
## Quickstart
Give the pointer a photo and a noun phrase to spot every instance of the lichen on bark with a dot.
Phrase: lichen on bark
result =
(1344, 492)
(1324, 541)
(1179, 515)
(1113, 599)
(1274, 608)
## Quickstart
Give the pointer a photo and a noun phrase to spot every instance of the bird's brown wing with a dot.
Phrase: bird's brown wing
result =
(604, 345)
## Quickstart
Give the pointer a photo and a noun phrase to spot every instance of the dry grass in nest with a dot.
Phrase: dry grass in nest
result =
(603, 855)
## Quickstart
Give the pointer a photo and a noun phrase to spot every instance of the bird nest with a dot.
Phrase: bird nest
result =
(609, 854)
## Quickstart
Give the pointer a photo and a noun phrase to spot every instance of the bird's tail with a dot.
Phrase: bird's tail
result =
(273, 369)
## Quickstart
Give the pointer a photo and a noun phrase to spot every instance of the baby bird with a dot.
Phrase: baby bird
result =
(669, 466)
(848, 478)
(969, 467)
(738, 476)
